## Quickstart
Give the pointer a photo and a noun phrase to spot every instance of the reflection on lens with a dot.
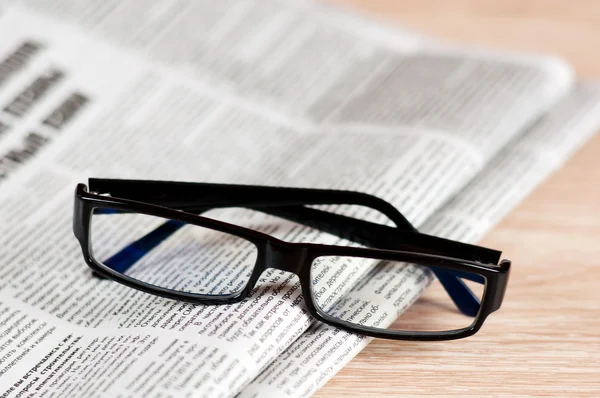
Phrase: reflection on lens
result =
(171, 254)
(390, 295)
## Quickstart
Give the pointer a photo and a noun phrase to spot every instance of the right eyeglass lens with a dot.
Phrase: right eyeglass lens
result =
(398, 296)
(171, 254)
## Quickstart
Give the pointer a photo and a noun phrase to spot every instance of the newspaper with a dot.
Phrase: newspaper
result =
(322, 350)
(265, 92)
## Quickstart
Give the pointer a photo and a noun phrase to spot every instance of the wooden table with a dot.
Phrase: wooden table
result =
(546, 338)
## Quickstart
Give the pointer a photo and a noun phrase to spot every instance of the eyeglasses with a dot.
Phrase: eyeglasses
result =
(149, 235)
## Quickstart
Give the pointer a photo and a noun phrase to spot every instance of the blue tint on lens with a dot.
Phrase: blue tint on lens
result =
(107, 211)
(462, 274)
(129, 255)
(463, 297)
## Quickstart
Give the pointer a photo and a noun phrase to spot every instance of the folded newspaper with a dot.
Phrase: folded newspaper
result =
(290, 93)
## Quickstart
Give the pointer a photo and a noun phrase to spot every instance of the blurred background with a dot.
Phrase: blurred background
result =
(554, 233)
(569, 29)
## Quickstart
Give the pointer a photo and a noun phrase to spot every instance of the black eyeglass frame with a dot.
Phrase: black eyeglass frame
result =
(296, 258)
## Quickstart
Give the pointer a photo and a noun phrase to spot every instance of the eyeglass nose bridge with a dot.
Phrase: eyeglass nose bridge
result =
(285, 257)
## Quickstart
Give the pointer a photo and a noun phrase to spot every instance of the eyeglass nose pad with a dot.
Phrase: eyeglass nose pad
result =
(285, 257)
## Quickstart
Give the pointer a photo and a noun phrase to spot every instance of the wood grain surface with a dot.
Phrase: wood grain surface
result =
(546, 338)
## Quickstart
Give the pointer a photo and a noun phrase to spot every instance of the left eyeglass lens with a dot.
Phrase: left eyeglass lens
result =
(390, 295)
(171, 254)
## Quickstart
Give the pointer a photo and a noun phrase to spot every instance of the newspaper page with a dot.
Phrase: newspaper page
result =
(84, 93)
(322, 351)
